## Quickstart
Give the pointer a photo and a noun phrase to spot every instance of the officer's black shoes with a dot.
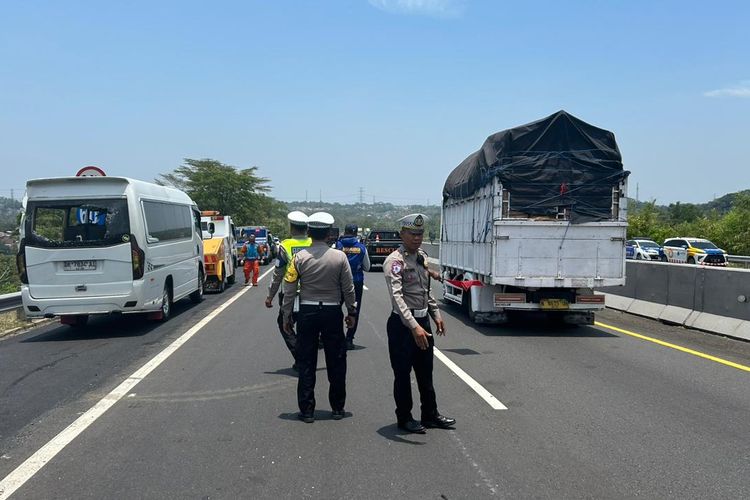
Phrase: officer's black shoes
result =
(349, 345)
(337, 414)
(439, 422)
(412, 426)
(307, 418)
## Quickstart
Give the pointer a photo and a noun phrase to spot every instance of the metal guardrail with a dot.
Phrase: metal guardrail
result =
(740, 259)
(10, 301)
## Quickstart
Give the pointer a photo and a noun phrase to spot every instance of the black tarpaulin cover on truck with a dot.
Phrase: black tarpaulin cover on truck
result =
(559, 161)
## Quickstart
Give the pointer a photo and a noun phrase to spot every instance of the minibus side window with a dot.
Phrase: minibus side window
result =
(167, 221)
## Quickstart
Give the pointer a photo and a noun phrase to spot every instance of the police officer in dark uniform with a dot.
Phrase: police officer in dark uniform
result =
(410, 342)
(359, 261)
(324, 277)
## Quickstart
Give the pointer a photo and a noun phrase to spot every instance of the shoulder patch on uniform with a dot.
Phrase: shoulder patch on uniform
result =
(396, 267)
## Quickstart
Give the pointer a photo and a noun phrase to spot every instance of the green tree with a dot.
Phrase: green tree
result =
(645, 222)
(683, 212)
(213, 185)
(9, 281)
(732, 232)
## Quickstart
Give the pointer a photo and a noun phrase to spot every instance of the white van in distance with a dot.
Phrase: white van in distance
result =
(104, 245)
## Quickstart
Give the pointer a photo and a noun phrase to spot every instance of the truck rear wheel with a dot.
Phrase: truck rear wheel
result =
(230, 278)
(466, 304)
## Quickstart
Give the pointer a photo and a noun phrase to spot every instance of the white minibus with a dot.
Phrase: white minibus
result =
(107, 245)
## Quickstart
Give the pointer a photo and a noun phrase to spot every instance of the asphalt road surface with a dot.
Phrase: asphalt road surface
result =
(592, 412)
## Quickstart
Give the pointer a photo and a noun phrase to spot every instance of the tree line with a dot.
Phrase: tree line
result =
(244, 194)
(726, 221)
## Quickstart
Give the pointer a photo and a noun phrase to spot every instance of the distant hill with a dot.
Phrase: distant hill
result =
(371, 215)
(721, 205)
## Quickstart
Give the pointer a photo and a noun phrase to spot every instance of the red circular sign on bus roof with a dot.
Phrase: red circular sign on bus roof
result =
(91, 171)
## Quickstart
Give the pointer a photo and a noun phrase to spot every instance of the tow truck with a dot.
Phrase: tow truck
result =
(219, 250)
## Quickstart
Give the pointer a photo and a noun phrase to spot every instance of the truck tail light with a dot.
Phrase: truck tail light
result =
(138, 258)
(21, 263)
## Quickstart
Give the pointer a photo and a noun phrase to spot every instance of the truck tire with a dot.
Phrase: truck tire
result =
(466, 304)
(230, 278)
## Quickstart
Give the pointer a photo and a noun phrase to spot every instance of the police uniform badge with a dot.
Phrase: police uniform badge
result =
(396, 267)
(419, 220)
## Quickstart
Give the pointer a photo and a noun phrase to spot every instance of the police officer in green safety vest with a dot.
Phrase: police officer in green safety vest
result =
(290, 246)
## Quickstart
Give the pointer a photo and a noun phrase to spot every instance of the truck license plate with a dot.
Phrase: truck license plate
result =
(79, 265)
(553, 304)
(384, 250)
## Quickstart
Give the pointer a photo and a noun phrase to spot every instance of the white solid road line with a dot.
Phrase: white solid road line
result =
(33, 464)
(483, 393)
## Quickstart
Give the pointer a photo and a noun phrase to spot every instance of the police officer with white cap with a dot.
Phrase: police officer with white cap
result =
(287, 248)
(410, 342)
(321, 276)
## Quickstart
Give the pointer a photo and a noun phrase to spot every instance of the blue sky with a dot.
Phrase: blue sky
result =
(385, 95)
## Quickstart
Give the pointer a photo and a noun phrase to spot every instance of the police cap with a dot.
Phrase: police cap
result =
(320, 220)
(297, 218)
(413, 222)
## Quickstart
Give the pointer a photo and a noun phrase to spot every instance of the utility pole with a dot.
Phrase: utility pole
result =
(321, 196)
(305, 195)
(361, 195)
(11, 195)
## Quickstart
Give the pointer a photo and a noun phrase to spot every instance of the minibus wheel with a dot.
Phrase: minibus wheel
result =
(166, 303)
(197, 295)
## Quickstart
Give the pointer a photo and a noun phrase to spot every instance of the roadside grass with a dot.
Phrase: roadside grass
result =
(10, 322)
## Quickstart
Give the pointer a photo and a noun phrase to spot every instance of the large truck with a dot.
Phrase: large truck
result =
(535, 221)
(219, 250)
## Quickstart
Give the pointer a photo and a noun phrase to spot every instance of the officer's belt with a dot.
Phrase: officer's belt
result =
(417, 313)
(318, 303)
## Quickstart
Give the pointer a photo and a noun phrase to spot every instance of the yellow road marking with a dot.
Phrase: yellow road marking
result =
(674, 346)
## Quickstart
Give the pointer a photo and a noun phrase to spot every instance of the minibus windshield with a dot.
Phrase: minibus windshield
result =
(77, 223)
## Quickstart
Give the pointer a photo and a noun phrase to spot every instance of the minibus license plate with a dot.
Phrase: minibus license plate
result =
(79, 265)
(553, 304)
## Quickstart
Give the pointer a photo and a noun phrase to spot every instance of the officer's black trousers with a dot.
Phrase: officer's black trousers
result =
(358, 285)
(326, 321)
(405, 355)
(289, 338)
